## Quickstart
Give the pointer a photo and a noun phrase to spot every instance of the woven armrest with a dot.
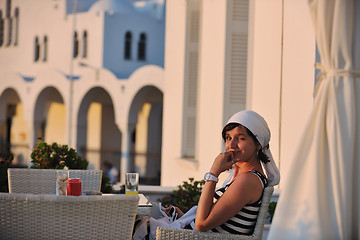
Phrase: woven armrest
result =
(164, 233)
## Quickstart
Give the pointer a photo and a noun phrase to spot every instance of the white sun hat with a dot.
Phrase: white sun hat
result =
(258, 126)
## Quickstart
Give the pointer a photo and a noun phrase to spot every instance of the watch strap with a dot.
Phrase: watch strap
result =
(210, 177)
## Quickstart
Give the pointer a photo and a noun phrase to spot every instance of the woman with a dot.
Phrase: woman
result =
(234, 207)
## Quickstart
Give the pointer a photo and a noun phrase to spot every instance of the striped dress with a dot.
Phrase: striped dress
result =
(244, 221)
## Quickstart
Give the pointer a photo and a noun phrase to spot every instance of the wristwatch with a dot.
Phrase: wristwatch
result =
(210, 177)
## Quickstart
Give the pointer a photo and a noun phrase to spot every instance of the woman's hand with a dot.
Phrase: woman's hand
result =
(177, 210)
(224, 161)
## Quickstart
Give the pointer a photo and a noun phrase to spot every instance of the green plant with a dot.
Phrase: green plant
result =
(56, 156)
(106, 186)
(186, 196)
(5, 161)
(121, 190)
(271, 210)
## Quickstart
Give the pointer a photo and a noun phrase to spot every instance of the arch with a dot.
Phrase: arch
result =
(14, 132)
(98, 137)
(146, 111)
(142, 47)
(127, 50)
(50, 116)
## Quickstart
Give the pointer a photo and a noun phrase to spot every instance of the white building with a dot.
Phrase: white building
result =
(84, 73)
(220, 57)
(224, 56)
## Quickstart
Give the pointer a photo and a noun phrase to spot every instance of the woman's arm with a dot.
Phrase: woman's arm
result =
(242, 191)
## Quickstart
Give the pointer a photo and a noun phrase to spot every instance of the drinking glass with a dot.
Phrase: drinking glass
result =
(131, 183)
(62, 177)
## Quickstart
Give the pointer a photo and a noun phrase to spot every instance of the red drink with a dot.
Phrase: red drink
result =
(74, 187)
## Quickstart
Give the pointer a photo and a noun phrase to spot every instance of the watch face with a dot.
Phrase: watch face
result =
(207, 177)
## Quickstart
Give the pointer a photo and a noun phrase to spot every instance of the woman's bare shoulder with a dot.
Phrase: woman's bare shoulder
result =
(246, 184)
(245, 178)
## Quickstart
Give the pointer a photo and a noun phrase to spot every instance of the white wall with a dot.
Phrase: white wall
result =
(173, 169)
(269, 64)
(295, 67)
(212, 80)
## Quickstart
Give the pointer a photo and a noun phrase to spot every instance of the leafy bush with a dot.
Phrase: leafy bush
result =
(186, 196)
(56, 156)
(271, 210)
(120, 191)
(106, 186)
(5, 161)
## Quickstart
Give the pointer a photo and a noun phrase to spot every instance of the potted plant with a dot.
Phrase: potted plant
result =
(56, 156)
(5, 162)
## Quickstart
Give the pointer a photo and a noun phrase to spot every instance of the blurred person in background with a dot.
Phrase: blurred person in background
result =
(111, 171)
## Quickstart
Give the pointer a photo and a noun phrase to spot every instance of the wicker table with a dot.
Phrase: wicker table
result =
(144, 206)
(47, 216)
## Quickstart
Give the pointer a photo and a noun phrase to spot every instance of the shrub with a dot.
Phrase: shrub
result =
(56, 156)
(271, 210)
(106, 186)
(186, 196)
(5, 161)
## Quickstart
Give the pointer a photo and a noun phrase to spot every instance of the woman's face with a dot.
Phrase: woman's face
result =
(241, 143)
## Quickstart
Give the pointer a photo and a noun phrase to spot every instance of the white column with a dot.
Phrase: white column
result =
(126, 162)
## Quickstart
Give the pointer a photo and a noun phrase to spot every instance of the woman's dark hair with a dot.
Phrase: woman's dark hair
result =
(262, 156)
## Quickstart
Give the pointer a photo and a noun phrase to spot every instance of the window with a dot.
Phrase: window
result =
(45, 46)
(16, 26)
(142, 47)
(9, 19)
(36, 49)
(76, 45)
(8, 8)
(238, 58)
(128, 39)
(9, 32)
(190, 107)
(84, 45)
(1, 29)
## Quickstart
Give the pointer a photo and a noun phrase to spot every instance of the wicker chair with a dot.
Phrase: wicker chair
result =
(43, 181)
(163, 233)
(29, 216)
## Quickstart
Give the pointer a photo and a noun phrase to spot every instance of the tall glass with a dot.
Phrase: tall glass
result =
(131, 183)
(62, 177)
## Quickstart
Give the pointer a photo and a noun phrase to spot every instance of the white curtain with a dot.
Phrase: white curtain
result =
(320, 196)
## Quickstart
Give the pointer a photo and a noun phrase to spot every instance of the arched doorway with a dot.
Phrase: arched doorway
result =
(50, 117)
(14, 132)
(98, 137)
(146, 111)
